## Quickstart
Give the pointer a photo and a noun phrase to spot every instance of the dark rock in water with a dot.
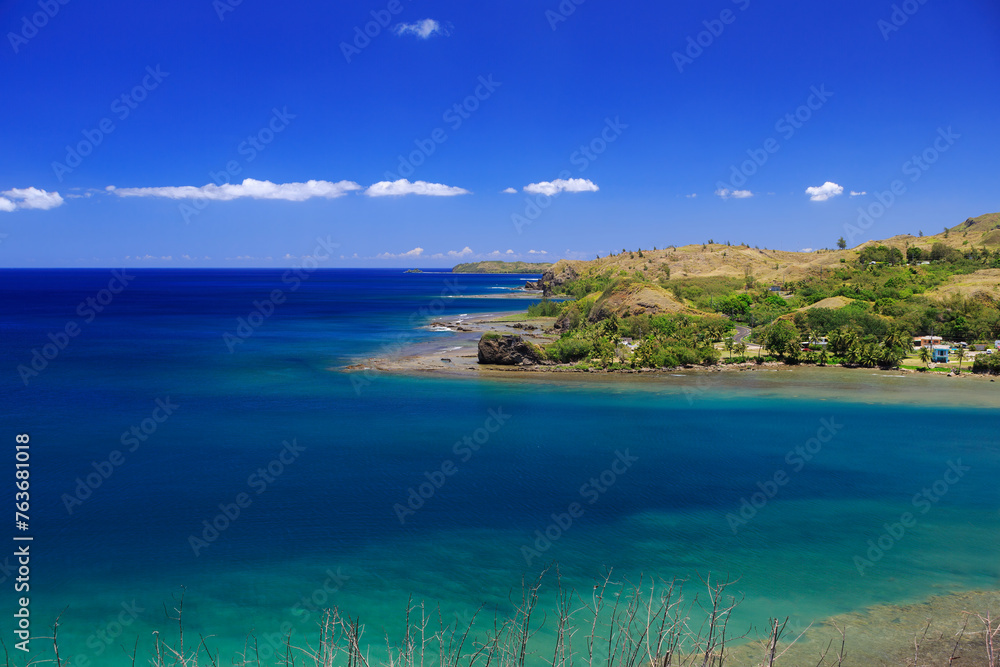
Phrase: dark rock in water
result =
(508, 351)
(533, 284)
(447, 361)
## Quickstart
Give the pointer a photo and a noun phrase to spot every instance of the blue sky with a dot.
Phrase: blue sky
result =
(648, 125)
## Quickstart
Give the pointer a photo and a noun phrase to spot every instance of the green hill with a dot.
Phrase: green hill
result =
(502, 267)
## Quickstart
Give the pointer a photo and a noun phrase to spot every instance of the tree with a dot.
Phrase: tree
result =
(729, 347)
(779, 336)
(895, 340)
(841, 243)
(960, 353)
(842, 340)
(821, 356)
(925, 355)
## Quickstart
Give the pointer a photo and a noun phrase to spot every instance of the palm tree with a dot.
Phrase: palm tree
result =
(960, 353)
(895, 339)
(729, 347)
(821, 356)
(741, 349)
(925, 355)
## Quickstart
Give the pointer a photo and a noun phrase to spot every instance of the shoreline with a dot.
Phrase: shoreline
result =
(456, 356)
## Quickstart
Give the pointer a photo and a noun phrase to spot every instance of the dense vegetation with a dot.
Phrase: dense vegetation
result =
(883, 303)
(659, 341)
(502, 267)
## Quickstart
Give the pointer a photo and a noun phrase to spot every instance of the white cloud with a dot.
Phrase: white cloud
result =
(404, 187)
(561, 185)
(726, 193)
(858, 194)
(248, 188)
(29, 198)
(806, 250)
(509, 252)
(538, 252)
(422, 29)
(509, 191)
(692, 195)
(824, 192)
(416, 252)
(495, 253)
(460, 253)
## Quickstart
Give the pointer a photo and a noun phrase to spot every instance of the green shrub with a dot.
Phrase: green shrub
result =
(544, 308)
(568, 349)
(984, 363)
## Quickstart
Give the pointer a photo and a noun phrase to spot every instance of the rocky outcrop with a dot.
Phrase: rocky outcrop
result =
(560, 273)
(508, 351)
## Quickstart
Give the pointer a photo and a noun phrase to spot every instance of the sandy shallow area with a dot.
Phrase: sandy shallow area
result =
(942, 630)
(455, 354)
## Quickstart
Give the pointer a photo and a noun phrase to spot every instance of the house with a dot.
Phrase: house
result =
(815, 344)
(939, 353)
(926, 341)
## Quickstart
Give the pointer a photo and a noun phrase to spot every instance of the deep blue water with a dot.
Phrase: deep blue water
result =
(332, 506)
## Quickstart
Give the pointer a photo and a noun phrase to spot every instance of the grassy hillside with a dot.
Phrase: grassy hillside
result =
(762, 266)
(869, 300)
(502, 267)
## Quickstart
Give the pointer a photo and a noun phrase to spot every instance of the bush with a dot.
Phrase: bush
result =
(568, 349)
(986, 363)
(544, 308)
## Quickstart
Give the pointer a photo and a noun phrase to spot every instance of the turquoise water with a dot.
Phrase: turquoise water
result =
(656, 467)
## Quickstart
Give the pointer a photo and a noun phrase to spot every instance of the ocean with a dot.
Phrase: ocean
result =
(193, 434)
